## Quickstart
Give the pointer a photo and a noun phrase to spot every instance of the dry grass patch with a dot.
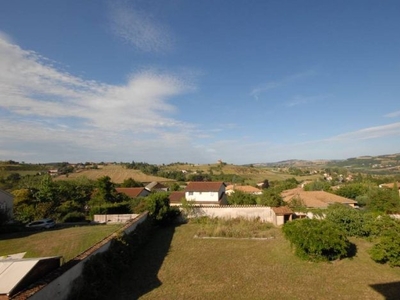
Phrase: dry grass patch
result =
(66, 242)
(117, 174)
(174, 265)
(233, 228)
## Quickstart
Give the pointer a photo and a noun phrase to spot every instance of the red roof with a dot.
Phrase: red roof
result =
(282, 210)
(176, 196)
(204, 186)
(131, 192)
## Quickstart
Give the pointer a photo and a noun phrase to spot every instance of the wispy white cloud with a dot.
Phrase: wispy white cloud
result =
(370, 133)
(41, 105)
(262, 88)
(139, 28)
(393, 114)
(302, 100)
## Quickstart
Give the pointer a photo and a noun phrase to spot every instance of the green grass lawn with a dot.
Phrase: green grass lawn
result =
(175, 265)
(66, 242)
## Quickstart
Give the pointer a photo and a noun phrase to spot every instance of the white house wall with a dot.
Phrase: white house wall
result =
(205, 196)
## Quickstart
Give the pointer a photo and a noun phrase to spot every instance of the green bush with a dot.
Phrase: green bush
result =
(387, 250)
(159, 209)
(317, 240)
(111, 208)
(353, 222)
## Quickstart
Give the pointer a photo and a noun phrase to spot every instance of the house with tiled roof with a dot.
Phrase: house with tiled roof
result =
(134, 192)
(206, 192)
(248, 189)
(156, 186)
(315, 199)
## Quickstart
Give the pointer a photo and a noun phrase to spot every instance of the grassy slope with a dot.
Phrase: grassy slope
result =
(66, 242)
(188, 268)
(117, 174)
(252, 174)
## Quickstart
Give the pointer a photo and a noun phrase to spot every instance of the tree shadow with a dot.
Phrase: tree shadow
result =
(351, 250)
(389, 290)
(22, 231)
(142, 276)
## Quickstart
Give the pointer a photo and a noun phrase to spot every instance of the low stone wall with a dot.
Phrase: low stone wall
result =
(58, 284)
(264, 213)
(123, 218)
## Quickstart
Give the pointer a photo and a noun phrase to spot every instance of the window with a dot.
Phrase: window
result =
(190, 193)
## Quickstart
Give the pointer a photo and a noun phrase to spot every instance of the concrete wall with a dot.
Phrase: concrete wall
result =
(123, 218)
(251, 212)
(60, 287)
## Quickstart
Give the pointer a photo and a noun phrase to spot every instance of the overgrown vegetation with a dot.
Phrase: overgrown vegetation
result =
(317, 240)
(233, 228)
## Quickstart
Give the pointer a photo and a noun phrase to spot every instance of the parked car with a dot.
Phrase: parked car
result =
(42, 224)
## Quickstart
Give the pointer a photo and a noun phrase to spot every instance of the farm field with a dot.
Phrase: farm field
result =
(117, 174)
(175, 265)
(252, 174)
(66, 242)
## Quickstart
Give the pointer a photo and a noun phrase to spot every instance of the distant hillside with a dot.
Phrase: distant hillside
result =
(117, 173)
(381, 165)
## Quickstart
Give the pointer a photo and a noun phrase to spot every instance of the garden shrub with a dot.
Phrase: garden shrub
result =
(353, 222)
(159, 209)
(317, 240)
(387, 250)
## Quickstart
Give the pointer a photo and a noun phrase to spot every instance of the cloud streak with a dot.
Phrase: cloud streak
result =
(139, 28)
(262, 88)
(393, 114)
(370, 133)
(301, 100)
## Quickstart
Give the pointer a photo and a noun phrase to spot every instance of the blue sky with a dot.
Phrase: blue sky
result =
(198, 81)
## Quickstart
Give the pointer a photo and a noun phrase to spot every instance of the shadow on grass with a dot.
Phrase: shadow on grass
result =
(21, 231)
(352, 250)
(390, 290)
(142, 276)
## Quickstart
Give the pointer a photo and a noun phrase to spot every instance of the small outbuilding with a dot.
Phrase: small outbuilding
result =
(18, 274)
(280, 215)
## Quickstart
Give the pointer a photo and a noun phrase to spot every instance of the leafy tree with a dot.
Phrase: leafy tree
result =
(241, 198)
(387, 250)
(265, 184)
(105, 191)
(174, 187)
(130, 182)
(353, 222)
(382, 200)
(352, 190)
(317, 240)
(159, 209)
(318, 185)
(271, 197)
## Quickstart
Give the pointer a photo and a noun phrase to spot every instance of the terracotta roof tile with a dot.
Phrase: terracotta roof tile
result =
(315, 199)
(131, 192)
(176, 196)
(204, 186)
(282, 210)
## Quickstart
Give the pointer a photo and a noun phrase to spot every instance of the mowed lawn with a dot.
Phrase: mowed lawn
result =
(174, 265)
(66, 242)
